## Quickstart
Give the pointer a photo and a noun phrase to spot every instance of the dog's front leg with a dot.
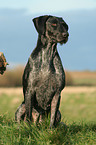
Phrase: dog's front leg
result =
(54, 108)
(29, 101)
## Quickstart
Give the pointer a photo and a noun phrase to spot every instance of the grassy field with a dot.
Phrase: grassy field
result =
(78, 109)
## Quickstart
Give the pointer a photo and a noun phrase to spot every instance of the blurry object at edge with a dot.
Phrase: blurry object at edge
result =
(3, 63)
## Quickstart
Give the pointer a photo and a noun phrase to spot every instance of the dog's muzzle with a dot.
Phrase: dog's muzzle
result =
(65, 35)
(64, 38)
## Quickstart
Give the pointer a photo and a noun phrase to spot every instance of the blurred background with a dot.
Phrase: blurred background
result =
(18, 38)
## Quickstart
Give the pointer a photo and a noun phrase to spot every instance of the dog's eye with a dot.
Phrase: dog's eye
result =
(54, 24)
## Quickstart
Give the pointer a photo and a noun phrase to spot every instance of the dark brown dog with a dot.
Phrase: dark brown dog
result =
(44, 77)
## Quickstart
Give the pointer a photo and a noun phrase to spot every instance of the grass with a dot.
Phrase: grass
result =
(9, 104)
(78, 113)
(12, 133)
(79, 106)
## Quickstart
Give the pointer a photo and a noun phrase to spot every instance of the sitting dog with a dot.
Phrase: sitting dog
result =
(44, 77)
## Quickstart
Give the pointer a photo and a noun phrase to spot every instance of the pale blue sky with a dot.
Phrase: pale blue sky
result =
(18, 36)
(38, 6)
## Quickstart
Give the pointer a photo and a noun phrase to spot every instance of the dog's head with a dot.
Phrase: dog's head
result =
(54, 28)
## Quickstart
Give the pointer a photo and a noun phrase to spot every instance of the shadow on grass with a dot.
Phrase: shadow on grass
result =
(73, 132)
(73, 129)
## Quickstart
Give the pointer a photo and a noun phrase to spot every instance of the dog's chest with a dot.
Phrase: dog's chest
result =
(48, 69)
(52, 69)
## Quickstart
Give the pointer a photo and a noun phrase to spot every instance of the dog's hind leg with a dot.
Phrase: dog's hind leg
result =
(20, 113)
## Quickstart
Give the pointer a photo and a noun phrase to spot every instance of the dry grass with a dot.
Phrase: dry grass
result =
(68, 90)
(85, 78)
(83, 75)
(11, 91)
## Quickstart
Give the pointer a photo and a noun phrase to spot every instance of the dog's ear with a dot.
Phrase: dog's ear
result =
(40, 24)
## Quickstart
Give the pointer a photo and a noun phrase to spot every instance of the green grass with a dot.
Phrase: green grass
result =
(79, 107)
(78, 113)
(9, 104)
(75, 133)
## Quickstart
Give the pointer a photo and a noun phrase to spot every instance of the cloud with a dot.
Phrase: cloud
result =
(51, 6)
(48, 6)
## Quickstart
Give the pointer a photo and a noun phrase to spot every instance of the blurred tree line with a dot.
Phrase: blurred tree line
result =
(13, 78)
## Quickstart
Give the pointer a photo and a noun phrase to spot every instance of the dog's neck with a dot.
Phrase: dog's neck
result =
(47, 49)
(44, 41)
(48, 46)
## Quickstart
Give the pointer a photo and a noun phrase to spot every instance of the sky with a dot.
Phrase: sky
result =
(38, 6)
(18, 36)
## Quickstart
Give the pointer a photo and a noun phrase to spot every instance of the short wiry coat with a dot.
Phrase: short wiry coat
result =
(44, 77)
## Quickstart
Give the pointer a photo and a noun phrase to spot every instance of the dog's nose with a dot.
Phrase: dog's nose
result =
(65, 34)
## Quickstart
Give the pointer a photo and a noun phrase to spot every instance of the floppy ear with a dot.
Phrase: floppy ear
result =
(40, 24)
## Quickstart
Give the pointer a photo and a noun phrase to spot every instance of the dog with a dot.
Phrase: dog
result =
(44, 77)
